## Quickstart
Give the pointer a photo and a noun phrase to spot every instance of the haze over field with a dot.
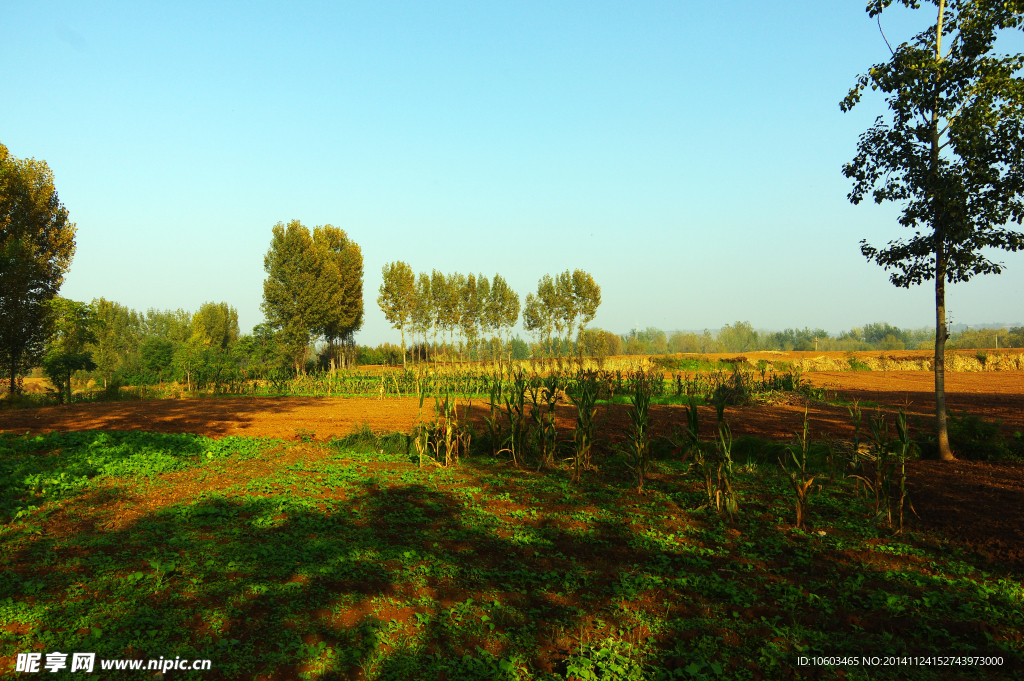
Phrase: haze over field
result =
(688, 158)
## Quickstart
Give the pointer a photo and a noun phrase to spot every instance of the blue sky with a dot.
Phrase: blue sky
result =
(688, 155)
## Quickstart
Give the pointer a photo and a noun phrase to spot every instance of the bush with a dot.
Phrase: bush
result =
(1016, 446)
(385, 354)
(855, 363)
(735, 390)
(973, 438)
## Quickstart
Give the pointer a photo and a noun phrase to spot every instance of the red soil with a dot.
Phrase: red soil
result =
(978, 503)
(996, 394)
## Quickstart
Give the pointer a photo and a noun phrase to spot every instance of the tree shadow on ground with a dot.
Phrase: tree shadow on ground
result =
(447, 575)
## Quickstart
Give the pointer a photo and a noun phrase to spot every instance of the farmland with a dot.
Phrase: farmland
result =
(431, 440)
(287, 537)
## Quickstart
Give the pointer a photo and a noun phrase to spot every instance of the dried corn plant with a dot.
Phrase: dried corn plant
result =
(887, 476)
(799, 478)
(710, 462)
(442, 441)
(584, 393)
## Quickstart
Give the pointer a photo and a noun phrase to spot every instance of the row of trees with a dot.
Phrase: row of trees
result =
(117, 345)
(563, 304)
(478, 309)
(742, 337)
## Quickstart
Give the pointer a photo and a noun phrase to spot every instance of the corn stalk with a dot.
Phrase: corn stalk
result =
(799, 479)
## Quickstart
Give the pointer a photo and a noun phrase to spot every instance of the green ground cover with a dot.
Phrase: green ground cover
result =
(347, 560)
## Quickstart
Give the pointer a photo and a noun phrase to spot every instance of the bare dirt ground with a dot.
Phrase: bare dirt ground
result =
(978, 503)
(994, 395)
(776, 355)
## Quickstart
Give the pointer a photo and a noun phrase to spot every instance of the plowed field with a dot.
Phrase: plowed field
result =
(994, 395)
(984, 501)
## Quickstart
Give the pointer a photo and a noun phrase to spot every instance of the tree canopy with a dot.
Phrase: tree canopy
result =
(562, 304)
(951, 152)
(314, 286)
(37, 243)
(342, 268)
(67, 351)
(397, 297)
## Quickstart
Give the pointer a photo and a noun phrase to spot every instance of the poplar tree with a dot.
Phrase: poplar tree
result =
(342, 273)
(587, 295)
(483, 289)
(423, 308)
(469, 312)
(505, 302)
(951, 152)
(539, 316)
(565, 307)
(313, 287)
(454, 284)
(438, 287)
(397, 297)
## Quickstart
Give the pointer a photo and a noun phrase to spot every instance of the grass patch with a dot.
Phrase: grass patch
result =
(345, 560)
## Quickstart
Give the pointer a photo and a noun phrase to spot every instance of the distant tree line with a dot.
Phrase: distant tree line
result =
(116, 345)
(742, 337)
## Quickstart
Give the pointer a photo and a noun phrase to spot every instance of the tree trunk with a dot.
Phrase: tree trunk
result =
(938, 227)
(945, 454)
(12, 389)
(403, 346)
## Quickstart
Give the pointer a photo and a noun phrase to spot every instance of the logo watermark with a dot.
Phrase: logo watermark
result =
(34, 663)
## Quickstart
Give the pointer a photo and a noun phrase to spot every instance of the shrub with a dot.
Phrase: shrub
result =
(1016, 446)
(735, 390)
(972, 437)
(855, 363)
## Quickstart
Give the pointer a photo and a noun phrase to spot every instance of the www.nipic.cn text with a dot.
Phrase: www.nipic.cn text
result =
(32, 663)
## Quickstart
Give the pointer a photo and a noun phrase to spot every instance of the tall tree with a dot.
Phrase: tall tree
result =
(539, 312)
(483, 288)
(118, 333)
(587, 296)
(216, 324)
(296, 297)
(951, 151)
(454, 283)
(397, 297)
(469, 317)
(566, 307)
(438, 295)
(506, 307)
(422, 309)
(547, 302)
(67, 349)
(341, 274)
(534, 318)
(37, 243)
